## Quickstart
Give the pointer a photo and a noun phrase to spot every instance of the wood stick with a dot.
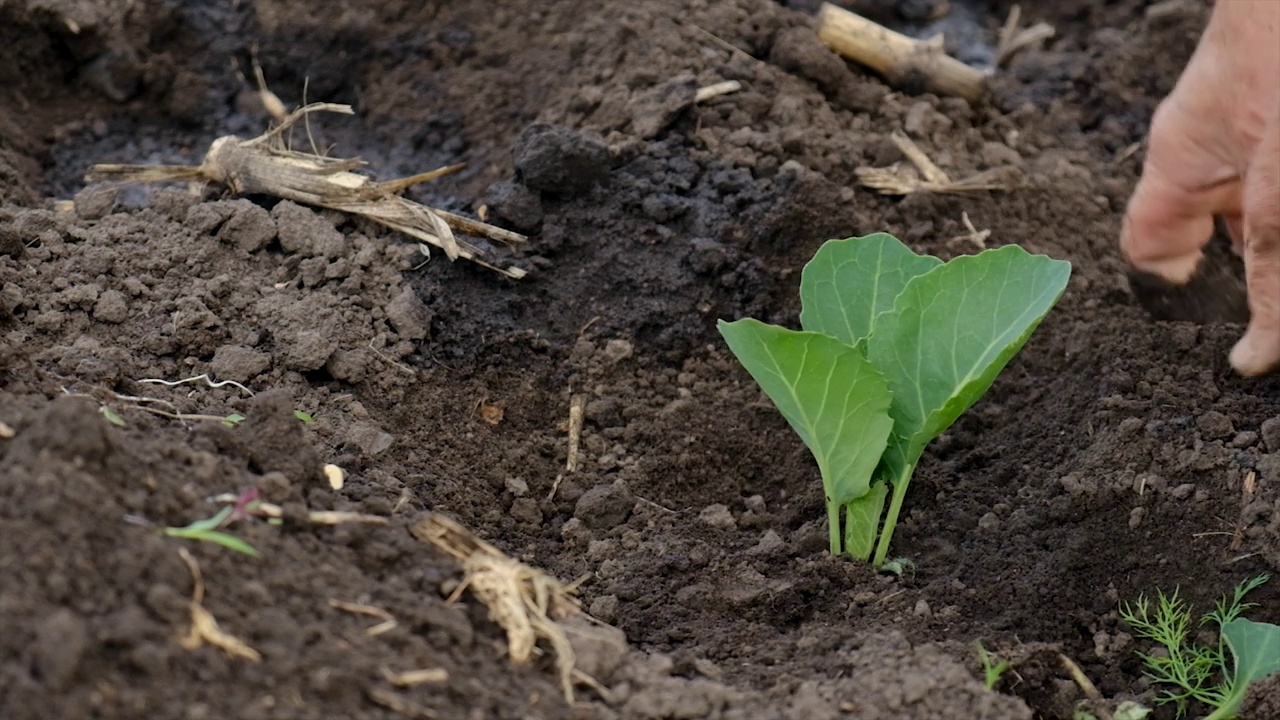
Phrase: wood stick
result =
(900, 59)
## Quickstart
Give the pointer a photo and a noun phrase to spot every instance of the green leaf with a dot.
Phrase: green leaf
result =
(863, 519)
(850, 282)
(233, 419)
(1256, 648)
(304, 417)
(111, 415)
(830, 395)
(951, 331)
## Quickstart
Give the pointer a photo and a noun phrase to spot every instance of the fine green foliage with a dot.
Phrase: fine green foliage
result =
(207, 531)
(303, 416)
(1202, 673)
(879, 319)
(993, 668)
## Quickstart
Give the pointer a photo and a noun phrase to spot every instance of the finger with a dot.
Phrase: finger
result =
(1169, 218)
(1258, 352)
(1235, 229)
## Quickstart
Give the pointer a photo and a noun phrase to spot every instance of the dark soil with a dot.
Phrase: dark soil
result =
(1107, 461)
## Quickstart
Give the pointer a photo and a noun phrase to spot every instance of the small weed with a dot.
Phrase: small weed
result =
(993, 668)
(208, 530)
(899, 567)
(1194, 673)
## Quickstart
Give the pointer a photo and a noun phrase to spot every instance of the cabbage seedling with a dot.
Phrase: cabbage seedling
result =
(894, 347)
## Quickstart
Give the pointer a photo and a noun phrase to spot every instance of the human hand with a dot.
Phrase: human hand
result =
(1214, 149)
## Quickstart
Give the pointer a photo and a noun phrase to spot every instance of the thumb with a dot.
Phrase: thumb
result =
(1258, 352)
(1169, 218)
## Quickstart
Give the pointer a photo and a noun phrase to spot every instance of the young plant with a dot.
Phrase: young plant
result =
(993, 668)
(1202, 672)
(894, 347)
(209, 529)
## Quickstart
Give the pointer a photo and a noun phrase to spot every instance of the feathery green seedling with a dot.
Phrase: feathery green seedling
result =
(993, 668)
(895, 347)
(1202, 673)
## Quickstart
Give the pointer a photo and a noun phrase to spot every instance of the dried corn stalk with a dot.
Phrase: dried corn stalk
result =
(266, 165)
(522, 600)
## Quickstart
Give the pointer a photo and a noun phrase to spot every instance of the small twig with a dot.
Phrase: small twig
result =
(975, 236)
(1086, 686)
(716, 90)
(399, 366)
(397, 704)
(315, 517)
(415, 677)
(576, 406)
(1246, 496)
(927, 177)
(388, 622)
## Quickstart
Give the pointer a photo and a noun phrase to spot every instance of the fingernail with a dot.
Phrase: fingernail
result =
(1177, 270)
(1257, 353)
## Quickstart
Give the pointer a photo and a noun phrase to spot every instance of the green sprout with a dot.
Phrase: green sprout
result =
(207, 530)
(895, 347)
(1203, 673)
(992, 667)
(111, 415)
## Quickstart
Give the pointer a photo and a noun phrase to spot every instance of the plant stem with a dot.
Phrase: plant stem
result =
(833, 526)
(895, 507)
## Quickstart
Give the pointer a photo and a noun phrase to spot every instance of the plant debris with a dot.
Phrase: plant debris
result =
(204, 627)
(266, 165)
(522, 600)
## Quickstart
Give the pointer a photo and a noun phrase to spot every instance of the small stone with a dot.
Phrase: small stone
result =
(1214, 425)
(517, 486)
(112, 307)
(604, 608)
(96, 201)
(755, 504)
(526, 510)
(249, 228)
(990, 521)
(615, 351)
(409, 316)
(309, 350)
(238, 363)
(515, 203)
(1270, 431)
(718, 516)
(371, 439)
(922, 609)
(60, 643)
(558, 159)
(346, 366)
(995, 154)
(1183, 491)
(770, 544)
(604, 506)
(1244, 439)
(1135, 517)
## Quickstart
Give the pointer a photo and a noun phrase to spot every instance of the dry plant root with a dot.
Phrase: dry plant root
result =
(522, 600)
(204, 628)
(265, 165)
(923, 175)
(901, 60)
